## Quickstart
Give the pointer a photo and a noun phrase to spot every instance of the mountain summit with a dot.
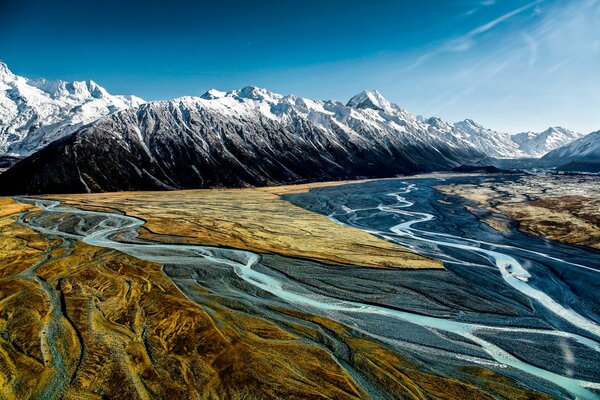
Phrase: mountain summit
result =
(245, 137)
(584, 149)
(5, 73)
(370, 99)
(536, 144)
(35, 112)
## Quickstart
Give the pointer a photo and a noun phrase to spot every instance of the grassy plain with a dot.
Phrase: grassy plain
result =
(254, 219)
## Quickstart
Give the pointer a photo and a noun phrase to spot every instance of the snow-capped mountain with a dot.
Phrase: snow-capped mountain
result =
(584, 149)
(239, 138)
(521, 145)
(536, 144)
(372, 99)
(494, 144)
(35, 112)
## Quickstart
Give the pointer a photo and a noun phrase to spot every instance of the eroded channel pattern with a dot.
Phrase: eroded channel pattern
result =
(559, 282)
(446, 323)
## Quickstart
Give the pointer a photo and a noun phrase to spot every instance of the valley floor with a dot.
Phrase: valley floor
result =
(254, 219)
(144, 295)
(559, 207)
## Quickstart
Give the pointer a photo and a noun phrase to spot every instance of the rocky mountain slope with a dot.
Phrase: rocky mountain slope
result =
(536, 144)
(586, 148)
(34, 112)
(521, 145)
(240, 138)
(492, 143)
(581, 155)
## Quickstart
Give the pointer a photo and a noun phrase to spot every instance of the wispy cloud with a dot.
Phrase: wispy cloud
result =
(557, 66)
(486, 27)
(533, 46)
(466, 41)
(486, 71)
(537, 73)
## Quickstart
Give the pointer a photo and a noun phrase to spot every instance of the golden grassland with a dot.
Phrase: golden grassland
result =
(80, 322)
(121, 329)
(563, 208)
(256, 219)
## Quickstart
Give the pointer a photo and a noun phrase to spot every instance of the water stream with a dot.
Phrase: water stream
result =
(101, 228)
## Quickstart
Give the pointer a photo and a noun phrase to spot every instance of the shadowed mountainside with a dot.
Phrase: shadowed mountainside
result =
(248, 138)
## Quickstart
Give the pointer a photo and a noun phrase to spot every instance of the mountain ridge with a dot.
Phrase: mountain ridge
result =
(537, 144)
(584, 149)
(35, 112)
(246, 137)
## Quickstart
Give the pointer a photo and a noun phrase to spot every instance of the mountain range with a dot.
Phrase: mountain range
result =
(35, 112)
(520, 145)
(79, 138)
(581, 155)
(240, 138)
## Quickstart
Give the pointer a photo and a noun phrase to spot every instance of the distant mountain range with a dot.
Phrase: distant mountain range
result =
(536, 144)
(520, 145)
(80, 138)
(582, 155)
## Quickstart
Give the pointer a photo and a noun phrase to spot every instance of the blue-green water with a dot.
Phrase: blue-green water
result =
(519, 305)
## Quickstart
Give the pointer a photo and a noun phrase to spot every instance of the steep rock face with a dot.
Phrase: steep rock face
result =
(245, 137)
(536, 144)
(34, 112)
(584, 149)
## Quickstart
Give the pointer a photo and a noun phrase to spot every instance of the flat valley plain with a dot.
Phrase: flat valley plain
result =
(558, 207)
(79, 321)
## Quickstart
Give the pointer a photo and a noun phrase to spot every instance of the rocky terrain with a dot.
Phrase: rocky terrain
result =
(79, 321)
(560, 207)
(582, 155)
(77, 138)
(250, 137)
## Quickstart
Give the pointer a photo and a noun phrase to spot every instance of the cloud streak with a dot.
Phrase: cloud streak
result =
(466, 41)
(486, 27)
(533, 46)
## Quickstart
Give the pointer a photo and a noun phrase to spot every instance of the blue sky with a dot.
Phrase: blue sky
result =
(511, 65)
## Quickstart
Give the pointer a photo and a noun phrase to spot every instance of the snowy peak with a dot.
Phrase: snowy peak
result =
(358, 118)
(245, 137)
(370, 99)
(536, 144)
(492, 143)
(256, 93)
(35, 112)
(212, 94)
(251, 93)
(82, 90)
(469, 124)
(548, 133)
(439, 124)
(586, 148)
(5, 73)
(520, 145)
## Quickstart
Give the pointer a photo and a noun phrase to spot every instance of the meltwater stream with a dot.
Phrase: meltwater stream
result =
(100, 229)
(512, 271)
